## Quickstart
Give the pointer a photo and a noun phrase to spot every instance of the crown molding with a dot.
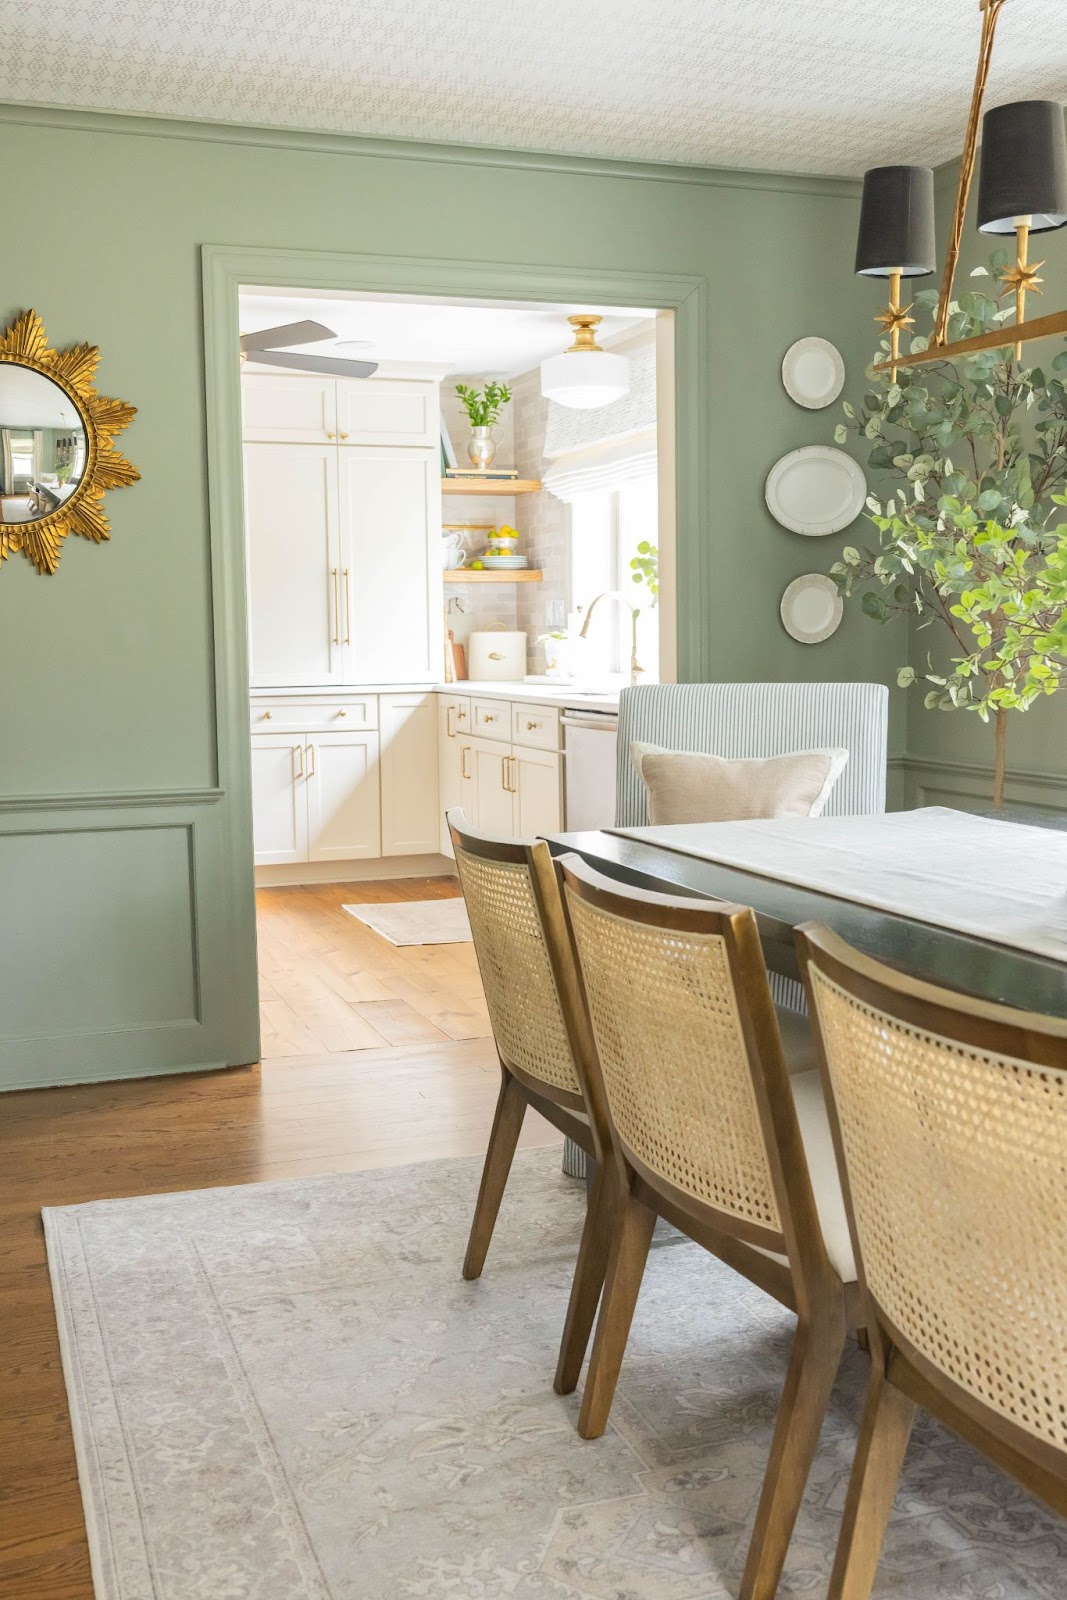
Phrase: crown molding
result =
(75, 120)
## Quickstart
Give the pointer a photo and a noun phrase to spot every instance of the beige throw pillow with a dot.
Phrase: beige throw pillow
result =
(686, 787)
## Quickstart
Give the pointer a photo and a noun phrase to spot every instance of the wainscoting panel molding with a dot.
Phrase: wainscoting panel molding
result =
(110, 969)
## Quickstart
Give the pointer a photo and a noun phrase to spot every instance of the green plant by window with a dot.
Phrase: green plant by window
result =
(971, 530)
(645, 568)
(483, 405)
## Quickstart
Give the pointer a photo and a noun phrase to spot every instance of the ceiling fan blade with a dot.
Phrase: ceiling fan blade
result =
(333, 367)
(291, 333)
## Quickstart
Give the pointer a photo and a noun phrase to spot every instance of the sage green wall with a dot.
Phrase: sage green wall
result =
(950, 755)
(114, 860)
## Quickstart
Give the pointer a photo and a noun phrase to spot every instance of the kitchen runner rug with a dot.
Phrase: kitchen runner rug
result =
(417, 921)
(286, 1391)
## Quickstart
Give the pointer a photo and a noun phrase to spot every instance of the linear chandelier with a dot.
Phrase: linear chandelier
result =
(1022, 190)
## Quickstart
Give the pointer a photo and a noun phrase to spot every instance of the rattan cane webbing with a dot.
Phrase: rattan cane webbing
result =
(957, 1163)
(676, 1072)
(520, 990)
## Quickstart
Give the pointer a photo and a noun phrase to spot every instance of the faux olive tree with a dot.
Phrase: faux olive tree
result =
(970, 463)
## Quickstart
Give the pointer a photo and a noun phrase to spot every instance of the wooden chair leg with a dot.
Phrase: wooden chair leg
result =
(589, 1273)
(632, 1235)
(507, 1125)
(813, 1365)
(884, 1433)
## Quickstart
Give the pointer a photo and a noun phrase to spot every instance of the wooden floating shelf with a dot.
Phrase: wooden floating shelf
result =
(515, 575)
(490, 485)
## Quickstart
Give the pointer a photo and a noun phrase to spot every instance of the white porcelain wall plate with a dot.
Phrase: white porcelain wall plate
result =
(812, 608)
(813, 373)
(816, 490)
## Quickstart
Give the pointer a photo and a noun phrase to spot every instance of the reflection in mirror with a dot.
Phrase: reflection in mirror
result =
(43, 445)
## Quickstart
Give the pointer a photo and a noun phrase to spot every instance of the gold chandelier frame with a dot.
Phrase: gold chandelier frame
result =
(1022, 277)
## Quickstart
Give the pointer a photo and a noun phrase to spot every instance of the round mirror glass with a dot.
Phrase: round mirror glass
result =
(43, 446)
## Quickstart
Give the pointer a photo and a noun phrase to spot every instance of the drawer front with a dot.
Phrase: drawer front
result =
(492, 719)
(316, 714)
(537, 726)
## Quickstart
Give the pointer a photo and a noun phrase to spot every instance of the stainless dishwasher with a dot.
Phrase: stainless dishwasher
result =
(590, 740)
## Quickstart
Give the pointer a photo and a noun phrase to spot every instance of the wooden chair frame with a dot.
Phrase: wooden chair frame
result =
(519, 1090)
(808, 1284)
(902, 1379)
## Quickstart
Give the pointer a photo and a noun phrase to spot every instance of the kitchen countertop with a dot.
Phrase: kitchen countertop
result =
(541, 694)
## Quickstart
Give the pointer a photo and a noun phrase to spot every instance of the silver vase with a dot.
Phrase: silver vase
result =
(481, 447)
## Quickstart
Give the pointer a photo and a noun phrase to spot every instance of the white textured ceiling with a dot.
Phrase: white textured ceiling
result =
(822, 86)
(499, 340)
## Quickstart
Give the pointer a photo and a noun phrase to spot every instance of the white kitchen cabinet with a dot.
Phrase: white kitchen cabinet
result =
(279, 800)
(537, 800)
(343, 514)
(343, 797)
(492, 799)
(293, 409)
(294, 565)
(410, 821)
(387, 411)
(390, 518)
(454, 723)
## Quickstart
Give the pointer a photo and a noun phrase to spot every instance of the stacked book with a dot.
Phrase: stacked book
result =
(484, 474)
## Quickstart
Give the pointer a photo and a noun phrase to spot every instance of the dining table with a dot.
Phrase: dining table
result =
(975, 903)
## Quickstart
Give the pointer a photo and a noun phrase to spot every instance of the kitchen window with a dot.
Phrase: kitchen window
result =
(606, 527)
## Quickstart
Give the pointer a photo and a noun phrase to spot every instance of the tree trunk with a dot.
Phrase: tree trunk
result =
(1000, 727)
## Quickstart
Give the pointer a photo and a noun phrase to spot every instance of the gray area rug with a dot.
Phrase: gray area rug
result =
(286, 1392)
(417, 921)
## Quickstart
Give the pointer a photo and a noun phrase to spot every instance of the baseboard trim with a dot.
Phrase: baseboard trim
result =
(375, 871)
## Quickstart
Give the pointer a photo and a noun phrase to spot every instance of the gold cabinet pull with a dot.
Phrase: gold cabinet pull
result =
(504, 774)
(530, 726)
(331, 436)
(450, 724)
(348, 607)
(268, 716)
(463, 754)
(298, 771)
(342, 712)
(344, 436)
(336, 605)
(313, 766)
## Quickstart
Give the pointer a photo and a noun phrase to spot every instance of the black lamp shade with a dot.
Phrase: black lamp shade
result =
(1024, 167)
(897, 223)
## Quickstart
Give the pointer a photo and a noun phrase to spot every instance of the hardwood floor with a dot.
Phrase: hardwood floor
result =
(374, 1056)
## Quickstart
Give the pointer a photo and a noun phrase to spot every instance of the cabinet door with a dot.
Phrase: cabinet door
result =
(293, 409)
(411, 824)
(279, 799)
(390, 508)
(489, 764)
(294, 566)
(388, 411)
(344, 815)
(456, 783)
(535, 777)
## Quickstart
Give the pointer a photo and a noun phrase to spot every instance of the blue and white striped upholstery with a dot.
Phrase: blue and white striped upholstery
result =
(739, 720)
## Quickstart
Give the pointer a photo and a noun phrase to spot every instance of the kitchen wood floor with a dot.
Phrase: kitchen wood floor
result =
(373, 1056)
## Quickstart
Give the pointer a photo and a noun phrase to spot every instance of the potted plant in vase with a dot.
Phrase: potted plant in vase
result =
(972, 534)
(483, 408)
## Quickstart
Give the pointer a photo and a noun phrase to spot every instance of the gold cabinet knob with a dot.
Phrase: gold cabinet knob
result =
(342, 713)
(530, 726)
(344, 436)
(488, 719)
(331, 436)
(268, 716)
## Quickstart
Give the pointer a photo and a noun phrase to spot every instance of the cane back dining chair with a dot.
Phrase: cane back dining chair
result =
(542, 1037)
(709, 1130)
(949, 1117)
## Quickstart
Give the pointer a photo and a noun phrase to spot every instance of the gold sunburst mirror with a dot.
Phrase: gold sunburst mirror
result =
(57, 452)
